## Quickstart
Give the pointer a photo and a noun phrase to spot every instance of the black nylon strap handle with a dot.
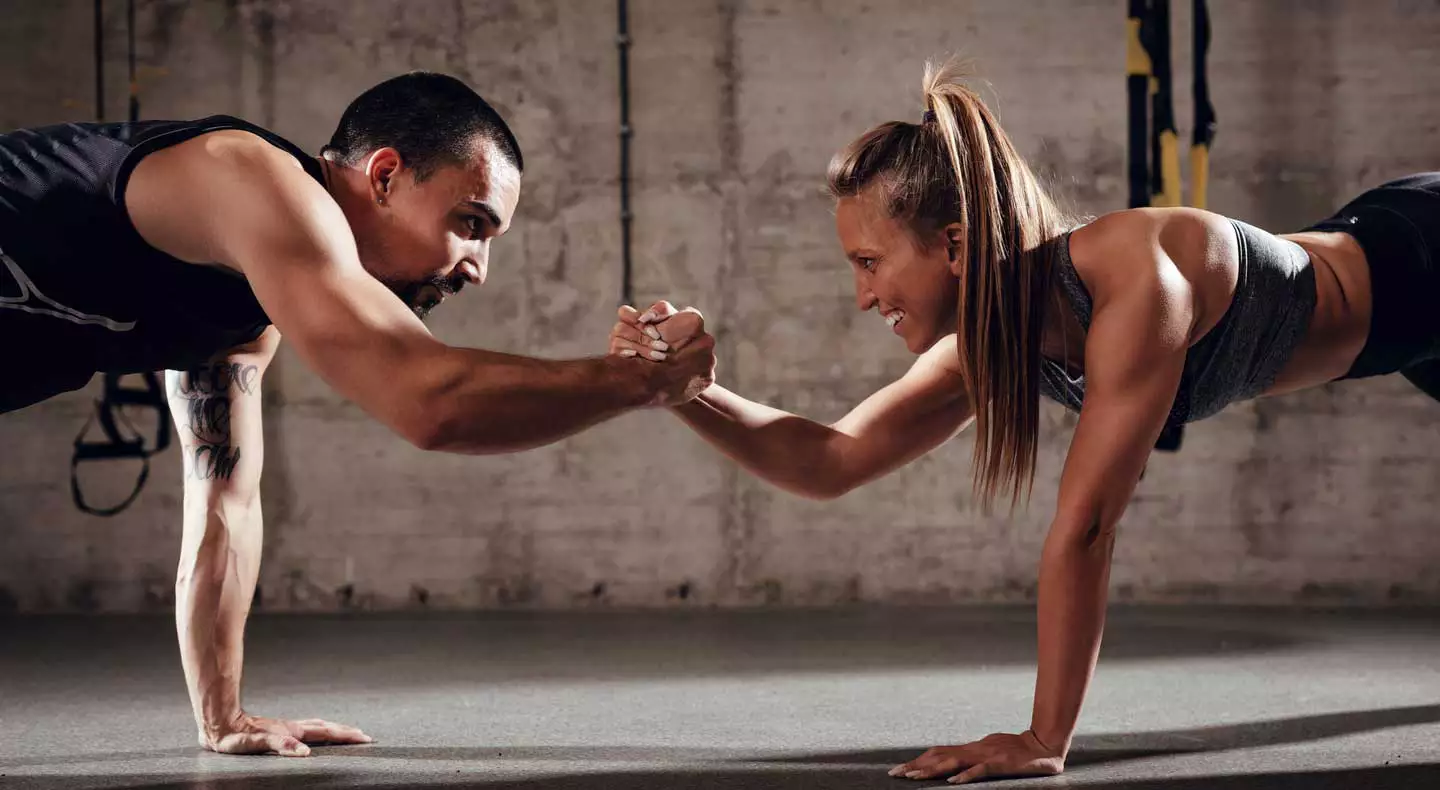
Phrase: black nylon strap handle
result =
(115, 446)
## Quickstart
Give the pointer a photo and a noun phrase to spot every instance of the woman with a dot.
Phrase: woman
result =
(1138, 319)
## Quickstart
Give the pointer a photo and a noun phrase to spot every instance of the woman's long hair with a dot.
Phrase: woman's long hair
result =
(958, 166)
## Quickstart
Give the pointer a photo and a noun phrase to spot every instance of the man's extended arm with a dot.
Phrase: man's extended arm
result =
(232, 198)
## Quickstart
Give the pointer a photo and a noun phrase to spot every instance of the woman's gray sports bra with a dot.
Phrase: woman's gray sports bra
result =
(1238, 358)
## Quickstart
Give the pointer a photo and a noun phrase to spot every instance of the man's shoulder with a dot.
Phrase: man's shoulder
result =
(195, 200)
(224, 150)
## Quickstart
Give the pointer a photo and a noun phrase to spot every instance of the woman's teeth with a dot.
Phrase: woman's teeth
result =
(894, 318)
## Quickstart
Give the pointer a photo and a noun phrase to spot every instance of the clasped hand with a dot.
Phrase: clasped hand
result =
(677, 338)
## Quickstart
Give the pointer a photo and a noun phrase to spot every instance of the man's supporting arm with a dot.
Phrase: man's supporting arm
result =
(216, 408)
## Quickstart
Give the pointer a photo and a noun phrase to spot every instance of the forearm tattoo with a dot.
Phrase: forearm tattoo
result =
(208, 393)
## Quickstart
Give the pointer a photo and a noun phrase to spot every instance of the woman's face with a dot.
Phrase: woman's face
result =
(911, 285)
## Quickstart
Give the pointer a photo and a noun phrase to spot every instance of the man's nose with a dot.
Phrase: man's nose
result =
(474, 269)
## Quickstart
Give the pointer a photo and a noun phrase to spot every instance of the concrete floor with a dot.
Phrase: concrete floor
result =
(1184, 698)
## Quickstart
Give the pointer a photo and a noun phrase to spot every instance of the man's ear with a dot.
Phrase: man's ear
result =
(381, 169)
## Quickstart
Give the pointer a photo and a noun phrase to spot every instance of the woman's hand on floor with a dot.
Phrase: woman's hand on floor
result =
(997, 755)
(287, 738)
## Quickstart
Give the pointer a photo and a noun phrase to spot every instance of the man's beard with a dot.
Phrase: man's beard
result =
(423, 296)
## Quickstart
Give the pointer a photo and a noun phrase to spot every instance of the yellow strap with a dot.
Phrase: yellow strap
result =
(1137, 60)
(1199, 175)
(1169, 171)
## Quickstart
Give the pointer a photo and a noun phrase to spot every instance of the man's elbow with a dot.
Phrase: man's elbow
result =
(422, 414)
(425, 430)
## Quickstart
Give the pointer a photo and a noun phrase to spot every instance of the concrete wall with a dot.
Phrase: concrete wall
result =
(1325, 496)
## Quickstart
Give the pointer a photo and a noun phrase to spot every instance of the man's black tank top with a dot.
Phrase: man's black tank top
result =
(80, 291)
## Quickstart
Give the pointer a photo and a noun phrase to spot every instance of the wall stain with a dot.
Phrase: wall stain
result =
(1312, 592)
(1268, 485)
(82, 596)
(168, 17)
(157, 590)
(681, 591)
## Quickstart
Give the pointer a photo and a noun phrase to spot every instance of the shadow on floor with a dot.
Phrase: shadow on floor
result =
(1109, 748)
(831, 771)
(1399, 777)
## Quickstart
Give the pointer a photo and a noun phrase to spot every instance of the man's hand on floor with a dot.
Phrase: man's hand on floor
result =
(288, 738)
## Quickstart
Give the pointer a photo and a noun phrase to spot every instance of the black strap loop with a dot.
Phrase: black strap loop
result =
(118, 447)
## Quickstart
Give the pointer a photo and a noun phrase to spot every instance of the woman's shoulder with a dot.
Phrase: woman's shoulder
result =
(1124, 244)
(1183, 254)
(1135, 230)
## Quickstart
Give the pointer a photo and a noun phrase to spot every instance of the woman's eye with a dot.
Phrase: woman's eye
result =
(868, 264)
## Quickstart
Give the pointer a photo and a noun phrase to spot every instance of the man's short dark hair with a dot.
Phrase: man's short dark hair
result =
(433, 120)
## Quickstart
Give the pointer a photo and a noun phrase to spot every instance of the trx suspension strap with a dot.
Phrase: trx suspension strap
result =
(115, 396)
(1137, 88)
(1154, 179)
(116, 446)
(1164, 140)
(1204, 112)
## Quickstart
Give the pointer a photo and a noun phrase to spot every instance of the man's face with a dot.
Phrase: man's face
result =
(428, 238)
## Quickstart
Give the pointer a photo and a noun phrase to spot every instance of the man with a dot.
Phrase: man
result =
(195, 246)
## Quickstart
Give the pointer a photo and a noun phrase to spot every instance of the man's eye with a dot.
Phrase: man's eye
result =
(868, 264)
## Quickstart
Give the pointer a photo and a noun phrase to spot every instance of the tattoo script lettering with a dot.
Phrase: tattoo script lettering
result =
(209, 393)
(213, 462)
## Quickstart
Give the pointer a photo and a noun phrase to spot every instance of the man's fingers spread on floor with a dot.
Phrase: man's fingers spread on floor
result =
(261, 742)
(309, 724)
(329, 732)
(288, 746)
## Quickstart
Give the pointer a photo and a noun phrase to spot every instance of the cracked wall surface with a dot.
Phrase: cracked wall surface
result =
(1326, 496)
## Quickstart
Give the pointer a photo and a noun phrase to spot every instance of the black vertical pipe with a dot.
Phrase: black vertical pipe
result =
(1137, 89)
(99, 60)
(622, 42)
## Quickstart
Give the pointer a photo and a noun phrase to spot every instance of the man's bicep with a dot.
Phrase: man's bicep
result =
(217, 414)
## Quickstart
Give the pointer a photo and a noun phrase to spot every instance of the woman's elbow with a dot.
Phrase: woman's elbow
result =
(821, 487)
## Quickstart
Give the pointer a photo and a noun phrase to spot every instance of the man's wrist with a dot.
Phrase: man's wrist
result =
(215, 724)
(634, 381)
